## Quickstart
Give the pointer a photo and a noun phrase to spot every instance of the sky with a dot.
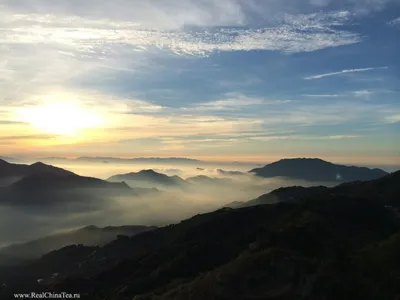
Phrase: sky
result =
(243, 80)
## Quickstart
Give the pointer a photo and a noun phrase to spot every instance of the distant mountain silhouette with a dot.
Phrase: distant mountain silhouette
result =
(48, 188)
(10, 172)
(338, 243)
(149, 178)
(51, 181)
(87, 236)
(232, 173)
(313, 169)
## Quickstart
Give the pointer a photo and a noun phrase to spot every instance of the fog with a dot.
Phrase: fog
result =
(27, 222)
(106, 170)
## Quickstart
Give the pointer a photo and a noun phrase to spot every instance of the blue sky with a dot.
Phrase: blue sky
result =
(227, 79)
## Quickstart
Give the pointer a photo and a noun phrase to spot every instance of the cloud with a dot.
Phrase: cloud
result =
(323, 95)
(394, 22)
(77, 36)
(305, 137)
(363, 93)
(132, 123)
(27, 137)
(364, 7)
(233, 101)
(393, 118)
(343, 72)
(10, 122)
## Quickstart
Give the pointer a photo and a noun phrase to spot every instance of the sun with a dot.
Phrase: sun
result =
(61, 118)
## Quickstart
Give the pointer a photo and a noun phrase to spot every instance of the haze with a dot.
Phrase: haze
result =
(169, 206)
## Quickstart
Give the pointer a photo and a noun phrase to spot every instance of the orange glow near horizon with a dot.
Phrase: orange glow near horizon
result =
(255, 159)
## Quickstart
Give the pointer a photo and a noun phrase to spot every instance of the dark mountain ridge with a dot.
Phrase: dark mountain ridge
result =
(286, 194)
(383, 188)
(51, 189)
(51, 181)
(314, 169)
(9, 169)
(149, 176)
(87, 236)
(336, 244)
(10, 172)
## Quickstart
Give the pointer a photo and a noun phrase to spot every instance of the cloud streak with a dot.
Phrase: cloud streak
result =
(305, 137)
(319, 76)
(234, 101)
(322, 95)
(394, 22)
(291, 34)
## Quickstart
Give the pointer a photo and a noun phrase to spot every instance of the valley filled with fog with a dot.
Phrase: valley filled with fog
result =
(207, 187)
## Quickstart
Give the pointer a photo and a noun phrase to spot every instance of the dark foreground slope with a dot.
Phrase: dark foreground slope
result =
(386, 189)
(334, 245)
(88, 236)
(312, 169)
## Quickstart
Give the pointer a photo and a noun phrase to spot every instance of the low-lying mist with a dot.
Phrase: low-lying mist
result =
(27, 222)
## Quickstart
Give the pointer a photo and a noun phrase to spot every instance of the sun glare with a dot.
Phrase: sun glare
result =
(61, 118)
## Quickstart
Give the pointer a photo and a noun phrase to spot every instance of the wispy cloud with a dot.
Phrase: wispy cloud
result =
(393, 118)
(322, 95)
(319, 76)
(293, 33)
(363, 93)
(10, 122)
(304, 137)
(394, 22)
(113, 59)
(28, 137)
(234, 101)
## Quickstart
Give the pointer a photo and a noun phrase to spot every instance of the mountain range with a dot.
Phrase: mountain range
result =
(297, 169)
(87, 236)
(149, 178)
(368, 190)
(10, 172)
(313, 169)
(41, 184)
(285, 194)
(322, 243)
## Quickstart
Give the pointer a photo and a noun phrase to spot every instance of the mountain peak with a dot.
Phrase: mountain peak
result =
(304, 160)
(315, 169)
(39, 164)
(149, 171)
(148, 178)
